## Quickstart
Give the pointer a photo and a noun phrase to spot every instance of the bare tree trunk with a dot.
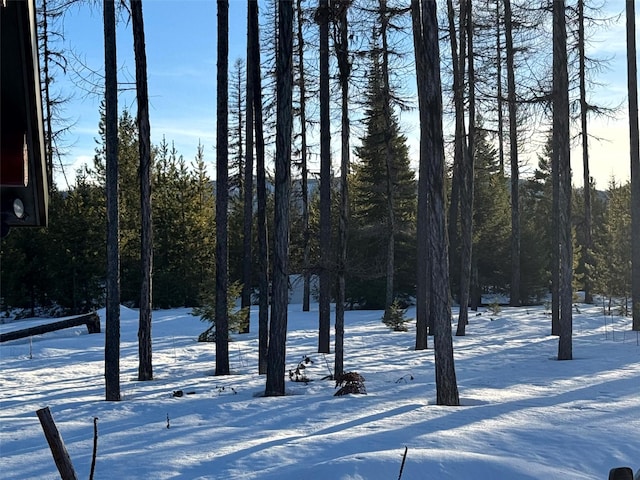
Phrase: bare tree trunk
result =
(261, 191)
(112, 333)
(342, 51)
(466, 192)
(222, 192)
(632, 86)
(325, 183)
(389, 159)
(446, 384)
(247, 224)
(48, 137)
(555, 245)
(56, 445)
(586, 177)
(306, 254)
(423, 267)
(284, 78)
(513, 156)
(458, 57)
(499, 89)
(561, 152)
(145, 366)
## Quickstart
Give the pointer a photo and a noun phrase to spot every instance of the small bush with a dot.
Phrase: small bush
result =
(238, 318)
(394, 318)
(494, 307)
(350, 382)
(300, 373)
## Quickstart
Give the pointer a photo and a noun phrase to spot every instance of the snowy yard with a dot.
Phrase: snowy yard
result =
(524, 414)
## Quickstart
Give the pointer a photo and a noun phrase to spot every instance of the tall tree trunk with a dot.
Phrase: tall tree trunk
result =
(561, 152)
(284, 79)
(555, 244)
(222, 192)
(586, 177)
(325, 183)
(426, 144)
(458, 57)
(499, 89)
(513, 157)
(112, 333)
(446, 383)
(47, 101)
(145, 366)
(247, 224)
(466, 192)
(389, 159)
(632, 86)
(306, 254)
(344, 66)
(261, 190)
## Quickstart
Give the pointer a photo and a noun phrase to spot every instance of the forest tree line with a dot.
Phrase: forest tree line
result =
(464, 223)
(61, 269)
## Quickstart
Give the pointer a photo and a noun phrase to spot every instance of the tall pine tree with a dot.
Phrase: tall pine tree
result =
(370, 215)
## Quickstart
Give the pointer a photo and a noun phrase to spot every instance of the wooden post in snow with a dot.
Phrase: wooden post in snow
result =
(59, 451)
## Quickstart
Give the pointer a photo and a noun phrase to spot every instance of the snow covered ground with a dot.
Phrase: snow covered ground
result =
(524, 414)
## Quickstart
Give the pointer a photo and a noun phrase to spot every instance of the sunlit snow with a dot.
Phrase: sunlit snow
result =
(524, 414)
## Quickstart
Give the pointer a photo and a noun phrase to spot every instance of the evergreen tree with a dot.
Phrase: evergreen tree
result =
(76, 235)
(166, 235)
(612, 245)
(25, 276)
(183, 220)
(369, 230)
(491, 217)
(536, 194)
(128, 204)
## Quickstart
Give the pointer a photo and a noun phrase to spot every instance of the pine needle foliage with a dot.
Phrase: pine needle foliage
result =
(207, 312)
(394, 318)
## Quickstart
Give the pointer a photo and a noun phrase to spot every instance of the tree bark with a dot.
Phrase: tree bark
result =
(145, 365)
(306, 254)
(284, 79)
(112, 331)
(458, 60)
(325, 183)
(261, 190)
(247, 223)
(561, 153)
(344, 66)
(58, 450)
(389, 159)
(499, 90)
(466, 192)
(222, 192)
(422, 256)
(513, 158)
(586, 177)
(632, 87)
(46, 90)
(446, 384)
(555, 243)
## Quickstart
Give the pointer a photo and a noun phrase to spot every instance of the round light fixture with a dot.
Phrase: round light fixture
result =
(18, 208)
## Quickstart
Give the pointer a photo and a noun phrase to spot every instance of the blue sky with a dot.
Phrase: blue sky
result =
(181, 58)
(181, 61)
